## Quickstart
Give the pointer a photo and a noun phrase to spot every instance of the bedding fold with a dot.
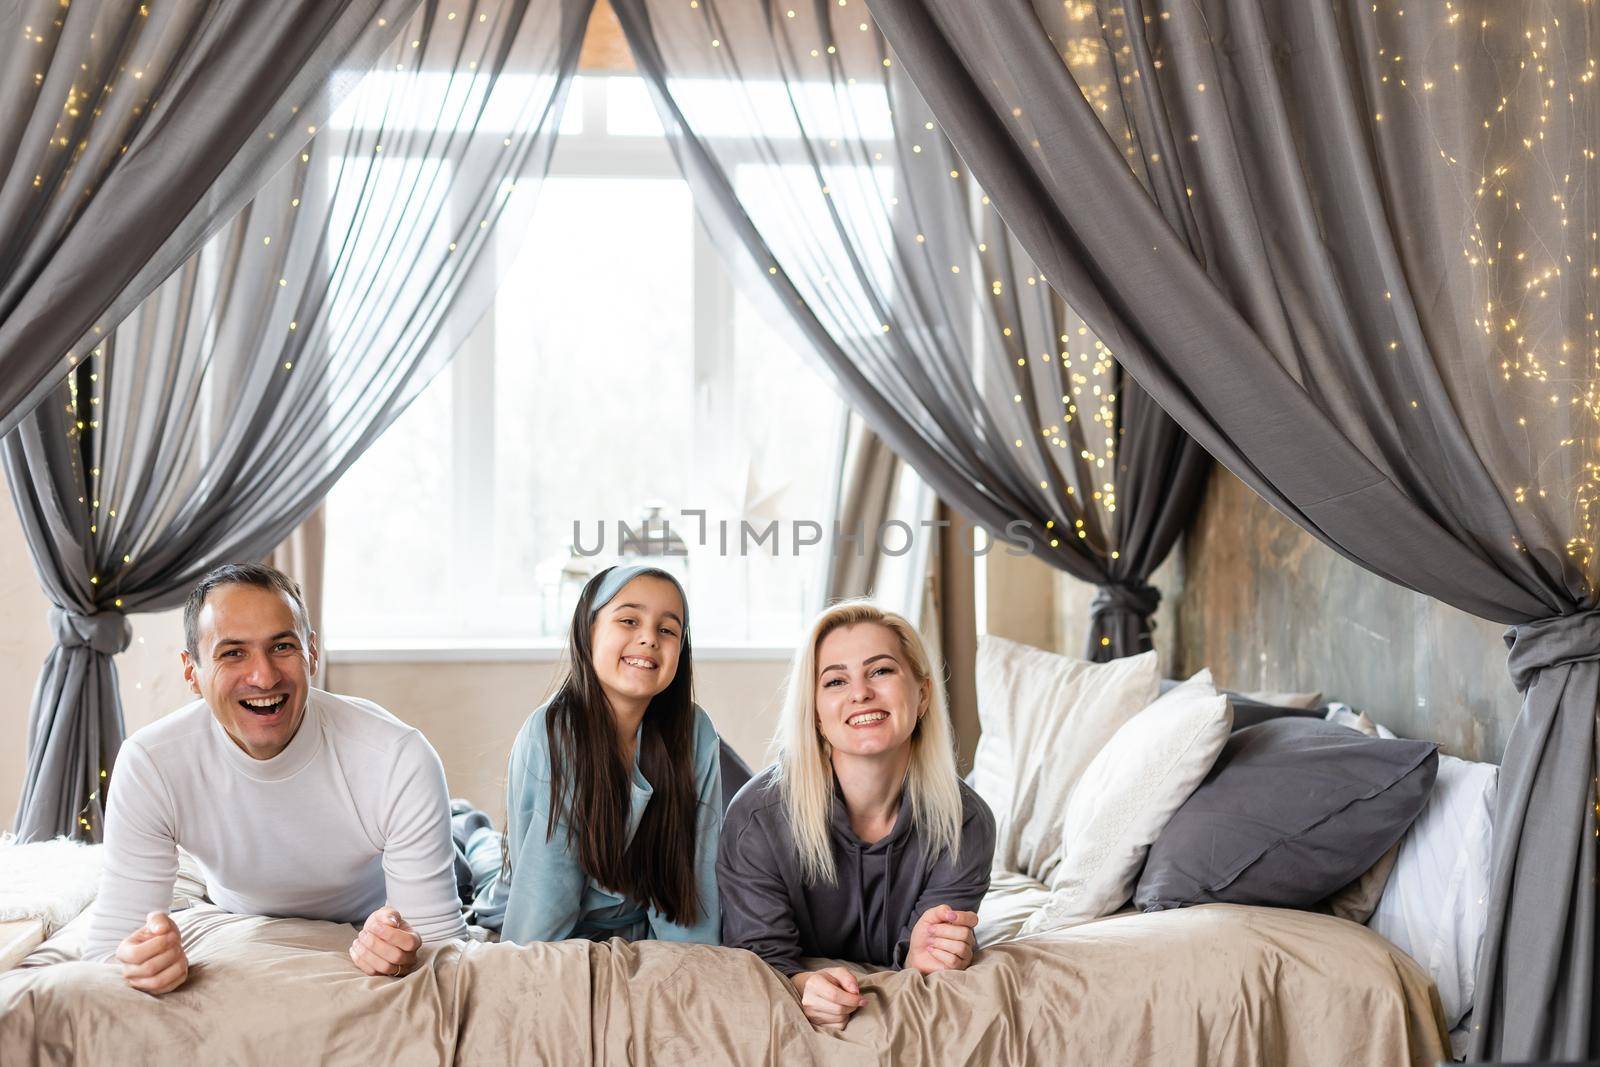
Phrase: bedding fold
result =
(1215, 984)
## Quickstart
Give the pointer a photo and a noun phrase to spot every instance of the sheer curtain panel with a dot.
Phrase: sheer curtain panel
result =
(216, 417)
(130, 131)
(824, 171)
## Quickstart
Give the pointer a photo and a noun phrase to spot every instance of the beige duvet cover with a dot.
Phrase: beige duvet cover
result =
(1218, 984)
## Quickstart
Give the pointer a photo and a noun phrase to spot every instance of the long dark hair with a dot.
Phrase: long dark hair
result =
(591, 789)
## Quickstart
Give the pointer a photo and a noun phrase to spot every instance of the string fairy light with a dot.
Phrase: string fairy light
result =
(1503, 102)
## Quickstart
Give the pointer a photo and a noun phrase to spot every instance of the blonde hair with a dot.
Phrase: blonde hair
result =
(805, 769)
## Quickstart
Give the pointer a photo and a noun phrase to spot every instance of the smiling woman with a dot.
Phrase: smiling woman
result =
(861, 843)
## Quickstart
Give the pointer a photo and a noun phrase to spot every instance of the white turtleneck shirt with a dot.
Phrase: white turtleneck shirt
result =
(353, 814)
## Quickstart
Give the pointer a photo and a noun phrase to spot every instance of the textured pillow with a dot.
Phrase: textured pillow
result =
(1044, 717)
(1125, 797)
(1293, 810)
(1434, 906)
(52, 881)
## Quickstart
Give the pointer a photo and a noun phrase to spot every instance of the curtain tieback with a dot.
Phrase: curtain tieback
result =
(107, 632)
(1552, 642)
(1135, 598)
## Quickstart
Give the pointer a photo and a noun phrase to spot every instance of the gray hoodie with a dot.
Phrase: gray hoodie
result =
(879, 892)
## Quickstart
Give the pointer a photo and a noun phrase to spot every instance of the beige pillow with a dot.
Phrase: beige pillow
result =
(1125, 797)
(1358, 900)
(1304, 701)
(1044, 718)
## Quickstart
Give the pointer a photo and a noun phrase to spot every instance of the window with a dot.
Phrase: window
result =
(620, 369)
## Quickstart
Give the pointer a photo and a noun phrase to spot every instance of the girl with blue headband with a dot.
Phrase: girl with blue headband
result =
(614, 792)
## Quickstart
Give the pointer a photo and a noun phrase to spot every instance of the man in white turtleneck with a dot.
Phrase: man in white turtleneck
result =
(295, 802)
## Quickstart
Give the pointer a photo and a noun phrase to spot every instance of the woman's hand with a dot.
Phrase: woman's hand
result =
(829, 996)
(942, 940)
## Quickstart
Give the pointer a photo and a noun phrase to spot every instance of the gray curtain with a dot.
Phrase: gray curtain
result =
(877, 492)
(823, 172)
(1351, 249)
(868, 473)
(218, 415)
(130, 131)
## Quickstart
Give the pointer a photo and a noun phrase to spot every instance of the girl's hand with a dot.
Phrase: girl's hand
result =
(942, 940)
(829, 996)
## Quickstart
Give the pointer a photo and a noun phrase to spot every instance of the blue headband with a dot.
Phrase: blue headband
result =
(617, 577)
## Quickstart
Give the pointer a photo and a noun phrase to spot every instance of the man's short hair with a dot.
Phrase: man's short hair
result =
(257, 574)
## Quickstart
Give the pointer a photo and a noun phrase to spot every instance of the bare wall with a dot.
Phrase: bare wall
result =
(471, 712)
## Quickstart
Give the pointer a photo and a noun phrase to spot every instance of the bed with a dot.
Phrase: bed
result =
(1217, 984)
(1212, 984)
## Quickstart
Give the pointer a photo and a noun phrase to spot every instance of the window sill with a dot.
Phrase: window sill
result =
(487, 650)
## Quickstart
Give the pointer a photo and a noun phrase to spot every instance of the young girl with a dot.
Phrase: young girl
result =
(614, 797)
(861, 843)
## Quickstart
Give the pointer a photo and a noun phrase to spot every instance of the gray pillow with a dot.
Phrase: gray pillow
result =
(1248, 711)
(1292, 811)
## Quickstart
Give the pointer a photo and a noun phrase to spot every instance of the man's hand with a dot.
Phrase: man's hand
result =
(942, 940)
(386, 945)
(152, 956)
(829, 996)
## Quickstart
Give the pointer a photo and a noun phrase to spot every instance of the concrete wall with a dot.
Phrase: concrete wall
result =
(1267, 606)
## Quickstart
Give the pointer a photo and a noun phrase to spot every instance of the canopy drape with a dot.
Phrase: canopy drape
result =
(216, 417)
(132, 131)
(823, 172)
(1351, 249)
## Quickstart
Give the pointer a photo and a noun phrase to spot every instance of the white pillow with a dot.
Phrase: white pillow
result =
(1436, 903)
(1011, 899)
(1044, 717)
(1125, 798)
(1345, 715)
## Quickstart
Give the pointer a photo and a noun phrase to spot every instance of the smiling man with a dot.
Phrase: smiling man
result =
(295, 802)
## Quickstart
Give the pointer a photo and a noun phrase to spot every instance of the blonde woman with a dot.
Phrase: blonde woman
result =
(860, 843)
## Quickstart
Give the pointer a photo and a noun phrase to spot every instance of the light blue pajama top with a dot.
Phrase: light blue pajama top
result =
(550, 898)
